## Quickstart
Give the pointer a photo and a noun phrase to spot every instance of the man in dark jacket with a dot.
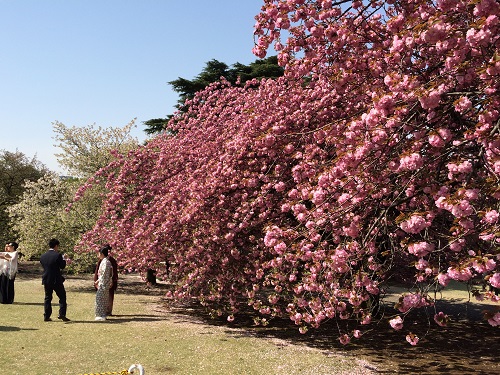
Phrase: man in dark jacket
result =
(53, 280)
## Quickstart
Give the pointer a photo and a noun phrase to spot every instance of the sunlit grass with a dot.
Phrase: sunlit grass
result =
(139, 333)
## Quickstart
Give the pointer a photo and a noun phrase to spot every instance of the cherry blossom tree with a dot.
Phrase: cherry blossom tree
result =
(375, 158)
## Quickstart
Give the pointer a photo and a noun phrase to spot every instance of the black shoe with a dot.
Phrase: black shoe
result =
(47, 319)
(63, 318)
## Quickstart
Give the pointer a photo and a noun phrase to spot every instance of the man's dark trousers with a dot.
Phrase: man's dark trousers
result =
(47, 304)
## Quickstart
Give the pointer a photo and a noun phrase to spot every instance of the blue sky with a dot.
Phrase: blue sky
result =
(106, 62)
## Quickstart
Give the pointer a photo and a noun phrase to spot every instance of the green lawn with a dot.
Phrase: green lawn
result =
(141, 332)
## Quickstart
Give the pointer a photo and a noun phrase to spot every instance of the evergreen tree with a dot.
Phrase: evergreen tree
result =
(212, 72)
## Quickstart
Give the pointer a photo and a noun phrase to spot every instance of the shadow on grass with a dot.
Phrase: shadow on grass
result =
(119, 319)
(13, 329)
(126, 285)
(133, 318)
(467, 345)
(28, 303)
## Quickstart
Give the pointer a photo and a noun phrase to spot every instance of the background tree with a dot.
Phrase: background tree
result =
(40, 214)
(15, 170)
(304, 198)
(44, 209)
(212, 72)
(86, 149)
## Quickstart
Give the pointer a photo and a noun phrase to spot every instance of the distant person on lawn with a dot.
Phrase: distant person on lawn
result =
(53, 280)
(8, 271)
(114, 280)
(103, 284)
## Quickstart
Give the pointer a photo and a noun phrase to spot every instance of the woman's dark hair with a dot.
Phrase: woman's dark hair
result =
(105, 250)
(13, 244)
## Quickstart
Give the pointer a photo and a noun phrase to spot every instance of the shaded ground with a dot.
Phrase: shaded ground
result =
(465, 346)
(468, 345)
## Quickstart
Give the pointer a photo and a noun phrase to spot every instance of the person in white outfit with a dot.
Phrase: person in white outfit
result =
(103, 284)
(8, 271)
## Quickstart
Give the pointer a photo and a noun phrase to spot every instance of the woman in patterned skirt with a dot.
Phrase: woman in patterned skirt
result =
(103, 284)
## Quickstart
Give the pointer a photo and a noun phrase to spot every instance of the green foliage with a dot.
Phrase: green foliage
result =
(262, 68)
(212, 72)
(15, 169)
(40, 215)
(156, 125)
(45, 209)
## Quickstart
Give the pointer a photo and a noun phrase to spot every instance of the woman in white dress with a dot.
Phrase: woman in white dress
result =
(8, 271)
(103, 284)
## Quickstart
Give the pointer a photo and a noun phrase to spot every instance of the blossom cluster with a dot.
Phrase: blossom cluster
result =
(376, 156)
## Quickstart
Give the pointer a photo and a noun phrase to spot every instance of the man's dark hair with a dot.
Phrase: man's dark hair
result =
(53, 243)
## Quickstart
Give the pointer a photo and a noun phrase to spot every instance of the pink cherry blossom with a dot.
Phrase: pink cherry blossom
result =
(441, 319)
(457, 245)
(483, 265)
(461, 274)
(463, 104)
(344, 339)
(431, 100)
(491, 217)
(396, 323)
(495, 320)
(420, 249)
(412, 339)
(436, 141)
(411, 301)
(443, 279)
(292, 196)
(415, 224)
(411, 162)
(495, 280)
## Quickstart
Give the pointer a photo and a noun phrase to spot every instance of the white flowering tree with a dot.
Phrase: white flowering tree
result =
(40, 213)
(46, 208)
(85, 150)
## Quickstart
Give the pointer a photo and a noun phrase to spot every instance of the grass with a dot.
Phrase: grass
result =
(141, 332)
(172, 339)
